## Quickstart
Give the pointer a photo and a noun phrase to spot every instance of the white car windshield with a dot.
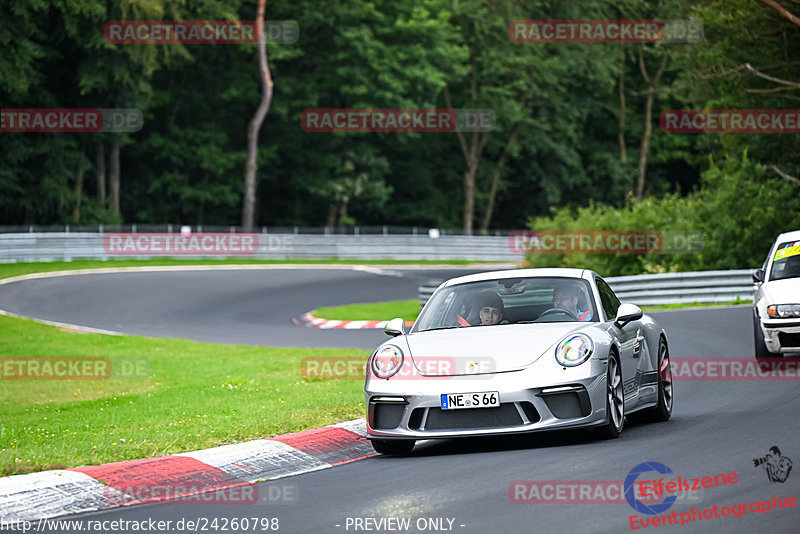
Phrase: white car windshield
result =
(509, 301)
(786, 263)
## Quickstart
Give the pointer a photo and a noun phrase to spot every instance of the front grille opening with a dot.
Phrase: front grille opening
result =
(787, 339)
(387, 415)
(568, 405)
(530, 411)
(474, 418)
(415, 421)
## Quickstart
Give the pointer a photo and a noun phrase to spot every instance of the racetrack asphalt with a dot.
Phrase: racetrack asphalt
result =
(717, 427)
(248, 307)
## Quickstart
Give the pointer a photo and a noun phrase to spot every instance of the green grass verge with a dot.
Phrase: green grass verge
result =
(374, 311)
(195, 395)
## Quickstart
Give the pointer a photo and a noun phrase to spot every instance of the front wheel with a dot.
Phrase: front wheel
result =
(615, 400)
(663, 410)
(393, 446)
(761, 347)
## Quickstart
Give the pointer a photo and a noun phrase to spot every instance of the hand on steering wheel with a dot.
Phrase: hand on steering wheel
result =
(553, 311)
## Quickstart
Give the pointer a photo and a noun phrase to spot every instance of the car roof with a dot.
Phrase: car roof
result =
(521, 273)
(789, 236)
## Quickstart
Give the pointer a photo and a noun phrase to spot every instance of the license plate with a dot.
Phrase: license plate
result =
(460, 401)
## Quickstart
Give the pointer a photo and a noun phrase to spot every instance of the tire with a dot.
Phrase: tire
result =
(615, 400)
(762, 351)
(663, 410)
(394, 446)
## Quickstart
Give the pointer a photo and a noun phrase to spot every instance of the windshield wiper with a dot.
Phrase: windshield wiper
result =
(440, 328)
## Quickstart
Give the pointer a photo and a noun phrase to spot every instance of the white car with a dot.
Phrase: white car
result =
(776, 306)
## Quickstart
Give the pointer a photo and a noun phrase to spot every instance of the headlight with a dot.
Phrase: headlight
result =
(781, 311)
(574, 350)
(387, 361)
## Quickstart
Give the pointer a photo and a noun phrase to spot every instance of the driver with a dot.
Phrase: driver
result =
(490, 308)
(566, 298)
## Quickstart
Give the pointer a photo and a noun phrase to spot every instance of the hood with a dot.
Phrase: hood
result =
(783, 291)
(484, 349)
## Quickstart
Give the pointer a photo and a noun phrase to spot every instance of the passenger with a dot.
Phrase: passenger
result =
(566, 297)
(490, 308)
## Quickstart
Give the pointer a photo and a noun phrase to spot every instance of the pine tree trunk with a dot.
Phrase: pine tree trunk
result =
(114, 176)
(100, 172)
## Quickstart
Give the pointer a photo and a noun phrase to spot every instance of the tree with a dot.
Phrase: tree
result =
(250, 184)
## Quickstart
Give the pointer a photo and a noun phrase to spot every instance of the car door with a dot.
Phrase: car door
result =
(630, 340)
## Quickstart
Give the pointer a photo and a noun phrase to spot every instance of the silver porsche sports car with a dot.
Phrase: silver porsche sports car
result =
(517, 351)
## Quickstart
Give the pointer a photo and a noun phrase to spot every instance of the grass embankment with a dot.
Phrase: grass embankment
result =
(191, 396)
(375, 311)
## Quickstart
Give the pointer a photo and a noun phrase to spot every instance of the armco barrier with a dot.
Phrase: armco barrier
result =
(671, 288)
(649, 289)
(51, 246)
(667, 288)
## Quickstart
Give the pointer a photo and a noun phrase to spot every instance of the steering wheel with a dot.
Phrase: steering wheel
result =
(553, 311)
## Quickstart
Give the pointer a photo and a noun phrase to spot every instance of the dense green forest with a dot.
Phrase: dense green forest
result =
(577, 137)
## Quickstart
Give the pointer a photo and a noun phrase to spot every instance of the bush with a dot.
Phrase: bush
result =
(739, 210)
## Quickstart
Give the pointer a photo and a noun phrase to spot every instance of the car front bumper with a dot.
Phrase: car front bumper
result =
(555, 399)
(781, 335)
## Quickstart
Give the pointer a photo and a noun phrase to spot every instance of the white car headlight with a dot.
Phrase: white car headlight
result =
(574, 350)
(387, 361)
(781, 311)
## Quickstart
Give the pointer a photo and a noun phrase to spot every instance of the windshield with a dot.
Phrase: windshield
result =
(786, 262)
(509, 301)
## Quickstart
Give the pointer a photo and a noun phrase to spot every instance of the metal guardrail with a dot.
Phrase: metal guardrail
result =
(175, 228)
(666, 288)
(673, 288)
(27, 247)
(648, 289)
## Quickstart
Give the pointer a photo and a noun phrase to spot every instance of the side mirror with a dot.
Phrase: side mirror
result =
(627, 313)
(758, 276)
(395, 327)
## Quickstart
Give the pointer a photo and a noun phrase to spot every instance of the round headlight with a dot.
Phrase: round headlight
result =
(574, 350)
(387, 361)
